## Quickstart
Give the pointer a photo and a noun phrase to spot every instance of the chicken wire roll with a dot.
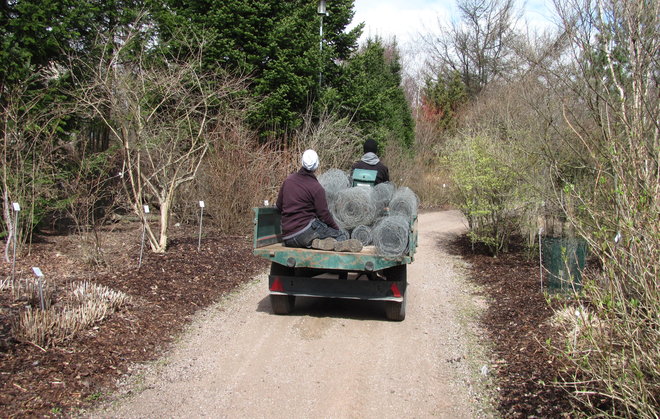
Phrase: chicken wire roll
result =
(382, 195)
(362, 233)
(333, 181)
(390, 235)
(354, 206)
(404, 202)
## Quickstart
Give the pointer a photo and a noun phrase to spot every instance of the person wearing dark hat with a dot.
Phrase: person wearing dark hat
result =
(370, 161)
(305, 217)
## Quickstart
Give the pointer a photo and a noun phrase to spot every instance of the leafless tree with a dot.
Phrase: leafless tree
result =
(163, 112)
(478, 46)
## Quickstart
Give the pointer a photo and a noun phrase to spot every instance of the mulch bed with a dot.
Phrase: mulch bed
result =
(517, 324)
(166, 291)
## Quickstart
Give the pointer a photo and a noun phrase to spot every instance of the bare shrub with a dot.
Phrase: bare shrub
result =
(162, 111)
(30, 152)
(94, 192)
(336, 140)
(608, 76)
(238, 174)
(420, 168)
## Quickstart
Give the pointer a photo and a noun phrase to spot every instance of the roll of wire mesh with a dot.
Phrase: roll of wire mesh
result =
(362, 233)
(333, 181)
(382, 195)
(390, 235)
(353, 207)
(404, 202)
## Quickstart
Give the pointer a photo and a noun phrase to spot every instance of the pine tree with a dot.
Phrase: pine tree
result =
(276, 43)
(371, 92)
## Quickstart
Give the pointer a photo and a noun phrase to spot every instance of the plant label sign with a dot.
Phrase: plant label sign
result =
(201, 204)
(37, 272)
(16, 206)
(146, 209)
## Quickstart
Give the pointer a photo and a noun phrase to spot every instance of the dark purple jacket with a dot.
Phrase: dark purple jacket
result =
(302, 199)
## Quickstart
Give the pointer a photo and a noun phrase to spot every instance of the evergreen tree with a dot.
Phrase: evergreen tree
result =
(38, 34)
(442, 98)
(371, 92)
(276, 43)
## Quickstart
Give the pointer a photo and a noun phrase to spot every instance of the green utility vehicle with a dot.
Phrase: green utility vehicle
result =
(364, 275)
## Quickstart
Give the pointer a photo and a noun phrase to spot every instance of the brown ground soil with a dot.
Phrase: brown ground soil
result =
(517, 323)
(166, 291)
(169, 288)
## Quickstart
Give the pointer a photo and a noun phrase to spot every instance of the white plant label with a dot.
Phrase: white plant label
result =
(37, 272)
(16, 206)
(201, 204)
(146, 209)
(265, 202)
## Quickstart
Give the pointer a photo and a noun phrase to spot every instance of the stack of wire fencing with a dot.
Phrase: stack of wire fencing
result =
(380, 216)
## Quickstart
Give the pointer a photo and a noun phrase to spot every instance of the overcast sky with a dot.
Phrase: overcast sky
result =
(407, 18)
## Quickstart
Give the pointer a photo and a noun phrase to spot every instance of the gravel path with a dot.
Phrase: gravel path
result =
(330, 358)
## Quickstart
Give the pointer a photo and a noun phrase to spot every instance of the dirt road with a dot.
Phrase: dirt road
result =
(330, 358)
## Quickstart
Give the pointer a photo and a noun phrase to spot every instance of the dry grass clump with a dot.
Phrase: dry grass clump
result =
(578, 324)
(83, 304)
(85, 291)
(32, 290)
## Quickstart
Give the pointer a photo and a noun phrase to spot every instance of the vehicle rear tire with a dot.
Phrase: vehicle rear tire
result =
(282, 304)
(396, 311)
(396, 273)
(277, 269)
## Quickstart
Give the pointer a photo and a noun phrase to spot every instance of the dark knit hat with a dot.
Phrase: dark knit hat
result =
(370, 146)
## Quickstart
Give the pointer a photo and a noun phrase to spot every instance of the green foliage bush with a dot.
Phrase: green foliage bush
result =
(485, 190)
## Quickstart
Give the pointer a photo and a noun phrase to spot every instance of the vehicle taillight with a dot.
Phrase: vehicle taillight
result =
(277, 285)
(395, 291)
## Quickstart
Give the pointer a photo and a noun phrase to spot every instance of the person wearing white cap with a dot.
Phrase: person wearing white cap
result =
(306, 219)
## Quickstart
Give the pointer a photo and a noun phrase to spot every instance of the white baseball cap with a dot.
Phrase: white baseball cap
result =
(310, 160)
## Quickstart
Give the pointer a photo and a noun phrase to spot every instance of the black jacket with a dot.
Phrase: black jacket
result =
(383, 174)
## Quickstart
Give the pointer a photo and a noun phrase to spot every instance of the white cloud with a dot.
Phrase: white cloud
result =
(406, 19)
(399, 18)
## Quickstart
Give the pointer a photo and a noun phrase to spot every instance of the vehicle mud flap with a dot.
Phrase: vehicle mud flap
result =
(396, 311)
(282, 304)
